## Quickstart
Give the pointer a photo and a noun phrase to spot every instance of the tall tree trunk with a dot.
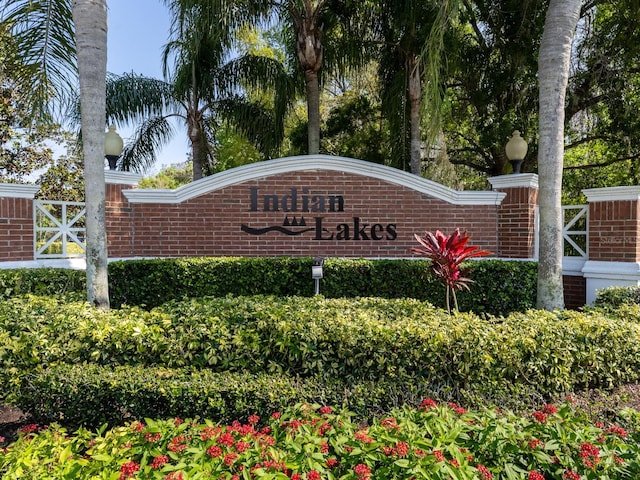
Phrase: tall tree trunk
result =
(313, 111)
(415, 95)
(553, 73)
(90, 18)
(198, 150)
(309, 32)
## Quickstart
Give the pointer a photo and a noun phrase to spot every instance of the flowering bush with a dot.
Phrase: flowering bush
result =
(433, 441)
(447, 252)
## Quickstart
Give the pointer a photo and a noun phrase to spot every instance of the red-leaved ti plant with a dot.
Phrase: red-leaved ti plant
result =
(447, 252)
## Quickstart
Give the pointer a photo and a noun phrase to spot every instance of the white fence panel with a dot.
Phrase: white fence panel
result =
(59, 229)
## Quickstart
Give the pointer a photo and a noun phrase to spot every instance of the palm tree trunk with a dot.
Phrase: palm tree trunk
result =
(90, 18)
(313, 110)
(553, 72)
(415, 94)
(197, 152)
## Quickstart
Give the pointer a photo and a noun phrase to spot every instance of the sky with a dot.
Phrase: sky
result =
(137, 33)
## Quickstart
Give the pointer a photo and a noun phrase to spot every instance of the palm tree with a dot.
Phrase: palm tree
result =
(309, 31)
(327, 38)
(554, 61)
(90, 19)
(411, 37)
(201, 88)
(44, 34)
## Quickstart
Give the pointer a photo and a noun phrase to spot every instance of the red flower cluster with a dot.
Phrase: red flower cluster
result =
(428, 404)
(152, 437)
(332, 462)
(362, 436)
(177, 444)
(484, 471)
(390, 423)
(621, 432)
(31, 428)
(128, 469)
(535, 443)
(159, 461)
(253, 419)
(230, 458)
(137, 427)
(590, 455)
(175, 476)
(362, 471)
(214, 451)
(459, 410)
(540, 416)
(534, 475)
(570, 475)
(226, 439)
(270, 465)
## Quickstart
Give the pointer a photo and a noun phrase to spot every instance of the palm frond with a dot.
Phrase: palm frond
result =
(433, 60)
(150, 137)
(254, 121)
(265, 74)
(132, 98)
(43, 34)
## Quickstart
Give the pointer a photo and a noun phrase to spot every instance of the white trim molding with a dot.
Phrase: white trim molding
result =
(573, 266)
(78, 263)
(610, 194)
(601, 275)
(18, 190)
(309, 163)
(121, 178)
(526, 180)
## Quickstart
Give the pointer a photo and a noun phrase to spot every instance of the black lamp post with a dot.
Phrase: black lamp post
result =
(113, 146)
(516, 150)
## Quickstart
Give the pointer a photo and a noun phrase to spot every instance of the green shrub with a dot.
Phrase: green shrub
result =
(41, 281)
(613, 297)
(92, 395)
(352, 339)
(430, 442)
(499, 287)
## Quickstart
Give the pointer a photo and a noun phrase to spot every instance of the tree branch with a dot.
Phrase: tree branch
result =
(603, 164)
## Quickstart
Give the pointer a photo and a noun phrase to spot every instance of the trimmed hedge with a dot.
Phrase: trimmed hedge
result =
(354, 340)
(613, 297)
(92, 395)
(499, 287)
(41, 281)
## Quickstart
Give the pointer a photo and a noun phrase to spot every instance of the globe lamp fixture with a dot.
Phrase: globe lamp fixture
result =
(113, 146)
(516, 150)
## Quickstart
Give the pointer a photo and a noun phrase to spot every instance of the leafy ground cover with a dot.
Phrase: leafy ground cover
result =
(307, 442)
(591, 437)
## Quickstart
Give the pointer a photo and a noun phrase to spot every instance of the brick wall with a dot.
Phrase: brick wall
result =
(118, 221)
(16, 222)
(348, 215)
(517, 215)
(613, 230)
(574, 291)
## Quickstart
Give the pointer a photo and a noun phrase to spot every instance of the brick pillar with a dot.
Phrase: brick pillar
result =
(517, 215)
(17, 240)
(614, 234)
(118, 213)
